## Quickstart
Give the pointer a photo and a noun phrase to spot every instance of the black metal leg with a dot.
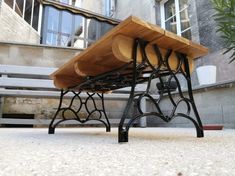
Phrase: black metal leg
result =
(51, 129)
(123, 133)
(92, 113)
(163, 72)
(200, 132)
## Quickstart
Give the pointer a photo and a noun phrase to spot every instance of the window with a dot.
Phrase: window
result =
(63, 28)
(29, 10)
(175, 18)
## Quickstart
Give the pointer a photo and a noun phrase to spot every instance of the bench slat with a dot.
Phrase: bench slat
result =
(26, 83)
(47, 121)
(26, 70)
(55, 94)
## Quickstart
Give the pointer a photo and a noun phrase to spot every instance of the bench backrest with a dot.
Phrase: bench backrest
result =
(13, 76)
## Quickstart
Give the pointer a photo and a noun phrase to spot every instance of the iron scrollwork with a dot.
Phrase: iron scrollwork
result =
(166, 75)
(76, 105)
(129, 75)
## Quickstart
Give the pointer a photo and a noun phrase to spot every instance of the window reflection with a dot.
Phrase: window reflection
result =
(184, 19)
(183, 4)
(28, 11)
(170, 24)
(53, 19)
(35, 14)
(9, 3)
(62, 28)
(24, 9)
(177, 19)
(19, 7)
(169, 9)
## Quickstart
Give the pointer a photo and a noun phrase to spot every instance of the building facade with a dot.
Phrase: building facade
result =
(64, 25)
(36, 21)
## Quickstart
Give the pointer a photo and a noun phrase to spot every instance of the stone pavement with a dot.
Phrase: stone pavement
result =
(92, 151)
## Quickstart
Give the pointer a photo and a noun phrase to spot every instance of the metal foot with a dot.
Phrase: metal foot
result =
(123, 136)
(200, 133)
(51, 130)
(108, 129)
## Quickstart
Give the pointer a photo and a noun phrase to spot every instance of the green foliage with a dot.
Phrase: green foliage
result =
(225, 17)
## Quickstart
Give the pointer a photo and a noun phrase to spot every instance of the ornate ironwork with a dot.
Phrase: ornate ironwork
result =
(76, 106)
(163, 72)
(131, 74)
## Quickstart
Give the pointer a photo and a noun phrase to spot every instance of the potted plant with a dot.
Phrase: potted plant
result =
(224, 16)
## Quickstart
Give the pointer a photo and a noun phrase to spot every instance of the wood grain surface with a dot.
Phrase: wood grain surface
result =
(114, 50)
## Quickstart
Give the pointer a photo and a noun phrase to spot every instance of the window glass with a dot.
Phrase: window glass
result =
(187, 34)
(35, 14)
(170, 24)
(52, 39)
(28, 10)
(66, 28)
(53, 19)
(183, 4)
(66, 22)
(169, 9)
(9, 3)
(78, 26)
(176, 17)
(63, 28)
(184, 19)
(19, 7)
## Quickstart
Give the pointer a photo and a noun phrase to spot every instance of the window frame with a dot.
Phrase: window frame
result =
(32, 12)
(177, 14)
(58, 32)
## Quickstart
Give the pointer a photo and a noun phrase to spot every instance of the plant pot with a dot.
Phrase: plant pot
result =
(206, 74)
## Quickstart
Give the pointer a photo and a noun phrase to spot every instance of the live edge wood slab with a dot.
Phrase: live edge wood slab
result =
(114, 50)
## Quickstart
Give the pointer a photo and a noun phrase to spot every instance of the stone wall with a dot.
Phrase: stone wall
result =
(142, 9)
(215, 105)
(33, 55)
(211, 39)
(13, 28)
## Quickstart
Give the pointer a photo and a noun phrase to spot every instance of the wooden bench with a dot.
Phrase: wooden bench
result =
(122, 57)
(34, 82)
(26, 81)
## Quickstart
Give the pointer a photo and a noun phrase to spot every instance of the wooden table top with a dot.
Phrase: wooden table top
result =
(108, 52)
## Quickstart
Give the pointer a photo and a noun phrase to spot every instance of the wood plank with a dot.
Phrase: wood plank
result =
(123, 51)
(103, 55)
(171, 41)
(194, 50)
(132, 26)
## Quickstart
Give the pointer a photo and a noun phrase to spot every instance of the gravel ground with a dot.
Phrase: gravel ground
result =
(92, 151)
